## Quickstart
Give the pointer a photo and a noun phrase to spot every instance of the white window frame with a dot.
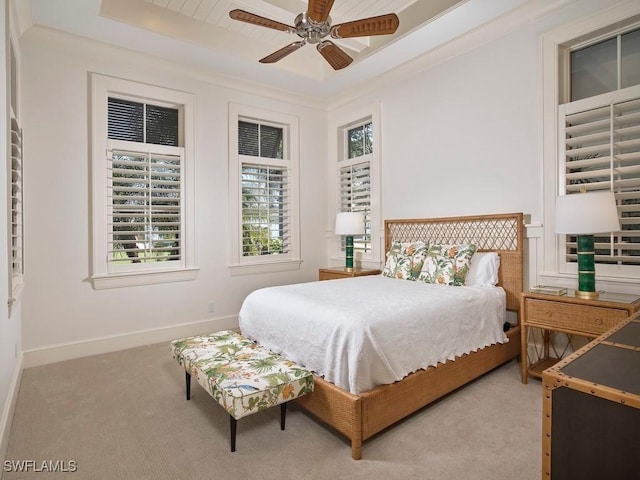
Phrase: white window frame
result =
(102, 275)
(15, 187)
(554, 45)
(340, 124)
(250, 265)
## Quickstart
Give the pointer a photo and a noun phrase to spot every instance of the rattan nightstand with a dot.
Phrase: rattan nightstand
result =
(570, 315)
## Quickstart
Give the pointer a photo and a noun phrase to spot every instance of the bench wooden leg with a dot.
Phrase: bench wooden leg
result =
(283, 414)
(187, 378)
(233, 426)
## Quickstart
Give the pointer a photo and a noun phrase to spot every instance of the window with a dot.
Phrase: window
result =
(264, 183)
(16, 228)
(601, 148)
(591, 92)
(354, 180)
(354, 172)
(143, 184)
(605, 66)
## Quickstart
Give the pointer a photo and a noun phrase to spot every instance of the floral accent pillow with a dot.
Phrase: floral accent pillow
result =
(447, 264)
(405, 260)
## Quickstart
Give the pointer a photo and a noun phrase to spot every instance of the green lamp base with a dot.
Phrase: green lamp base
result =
(349, 254)
(586, 268)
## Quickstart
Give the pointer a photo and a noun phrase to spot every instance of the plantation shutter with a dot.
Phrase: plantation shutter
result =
(355, 196)
(145, 204)
(602, 152)
(142, 122)
(266, 194)
(265, 209)
(16, 200)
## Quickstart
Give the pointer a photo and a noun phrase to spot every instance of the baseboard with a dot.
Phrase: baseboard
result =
(68, 351)
(9, 408)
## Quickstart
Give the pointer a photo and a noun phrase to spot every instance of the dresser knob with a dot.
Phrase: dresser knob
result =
(598, 321)
(548, 313)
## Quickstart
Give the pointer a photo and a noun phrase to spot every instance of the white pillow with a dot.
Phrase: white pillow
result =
(483, 270)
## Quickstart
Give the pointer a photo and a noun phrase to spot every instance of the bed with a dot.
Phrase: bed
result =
(365, 401)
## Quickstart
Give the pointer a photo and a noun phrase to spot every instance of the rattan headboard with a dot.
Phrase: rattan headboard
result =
(502, 233)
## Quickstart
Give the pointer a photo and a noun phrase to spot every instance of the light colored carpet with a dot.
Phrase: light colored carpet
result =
(123, 415)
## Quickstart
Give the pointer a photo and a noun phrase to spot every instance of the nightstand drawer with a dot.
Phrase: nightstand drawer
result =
(332, 275)
(589, 320)
(335, 273)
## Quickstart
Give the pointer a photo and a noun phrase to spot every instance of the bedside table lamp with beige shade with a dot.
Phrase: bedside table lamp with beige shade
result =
(349, 224)
(585, 214)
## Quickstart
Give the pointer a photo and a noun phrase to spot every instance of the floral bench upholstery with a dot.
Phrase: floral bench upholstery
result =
(240, 375)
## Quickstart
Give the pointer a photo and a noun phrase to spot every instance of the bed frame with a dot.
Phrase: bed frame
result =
(361, 416)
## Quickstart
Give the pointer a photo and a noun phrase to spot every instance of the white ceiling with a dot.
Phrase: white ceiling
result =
(200, 34)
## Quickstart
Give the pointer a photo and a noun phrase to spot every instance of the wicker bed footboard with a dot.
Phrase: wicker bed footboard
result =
(359, 417)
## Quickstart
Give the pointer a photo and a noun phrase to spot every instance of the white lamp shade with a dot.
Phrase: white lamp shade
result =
(349, 223)
(587, 213)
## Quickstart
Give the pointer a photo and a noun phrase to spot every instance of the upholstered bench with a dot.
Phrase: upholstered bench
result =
(240, 375)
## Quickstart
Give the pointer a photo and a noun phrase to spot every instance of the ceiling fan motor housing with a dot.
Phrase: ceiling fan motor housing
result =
(311, 31)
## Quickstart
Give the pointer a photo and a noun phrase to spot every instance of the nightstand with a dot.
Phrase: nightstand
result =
(570, 315)
(334, 273)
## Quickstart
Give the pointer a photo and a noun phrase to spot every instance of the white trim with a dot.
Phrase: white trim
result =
(95, 346)
(551, 45)
(9, 406)
(101, 87)
(118, 280)
(16, 281)
(271, 267)
(238, 264)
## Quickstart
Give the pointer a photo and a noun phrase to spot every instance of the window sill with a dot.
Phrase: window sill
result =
(271, 267)
(119, 280)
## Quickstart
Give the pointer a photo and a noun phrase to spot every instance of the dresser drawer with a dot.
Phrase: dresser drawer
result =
(586, 319)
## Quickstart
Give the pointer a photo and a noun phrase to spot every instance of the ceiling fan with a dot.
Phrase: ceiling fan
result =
(315, 24)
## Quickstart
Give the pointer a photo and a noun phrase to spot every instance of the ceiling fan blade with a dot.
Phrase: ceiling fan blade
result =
(318, 10)
(254, 19)
(381, 25)
(333, 54)
(283, 52)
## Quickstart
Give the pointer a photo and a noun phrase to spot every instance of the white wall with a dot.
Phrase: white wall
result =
(463, 137)
(63, 316)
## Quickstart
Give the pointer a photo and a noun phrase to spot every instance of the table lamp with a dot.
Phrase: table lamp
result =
(585, 214)
(349, 224)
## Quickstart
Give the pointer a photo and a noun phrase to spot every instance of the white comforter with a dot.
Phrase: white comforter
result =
(366, 331)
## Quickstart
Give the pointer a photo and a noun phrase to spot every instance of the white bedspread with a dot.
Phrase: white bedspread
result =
(366, 331)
